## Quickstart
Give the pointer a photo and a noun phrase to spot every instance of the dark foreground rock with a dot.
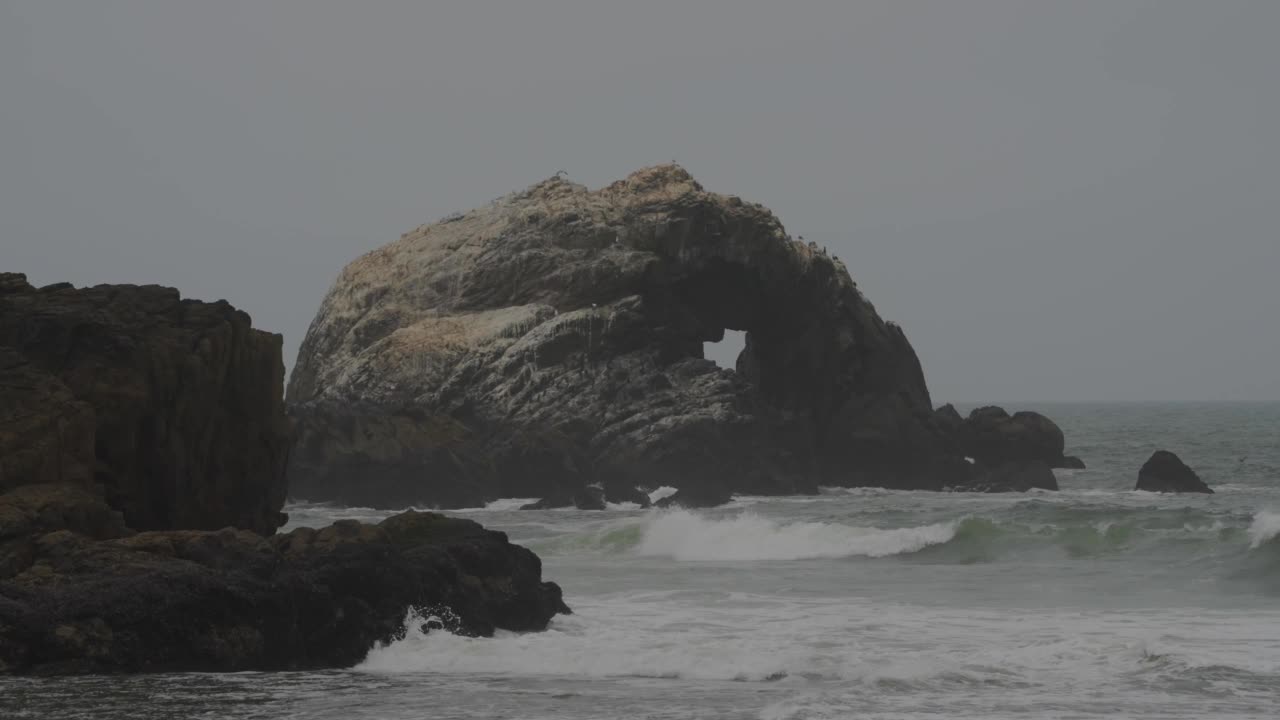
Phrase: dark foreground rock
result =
(233, 600)
(173, 408)
(553, 339)
(1165, 472)
(1013, 476)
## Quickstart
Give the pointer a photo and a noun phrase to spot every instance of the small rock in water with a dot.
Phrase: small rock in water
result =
(1165, 472)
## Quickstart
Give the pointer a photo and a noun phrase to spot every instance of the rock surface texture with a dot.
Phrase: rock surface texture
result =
(172, 407)
(554, 339)
(95, 597)
(1165, 472)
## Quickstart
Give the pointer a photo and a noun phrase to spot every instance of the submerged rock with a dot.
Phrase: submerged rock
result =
(554, 338)
(1165, 472)
(172, 407)
(232, 600)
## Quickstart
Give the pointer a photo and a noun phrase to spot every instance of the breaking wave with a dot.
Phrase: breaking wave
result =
(687, 536)
(1264, 528)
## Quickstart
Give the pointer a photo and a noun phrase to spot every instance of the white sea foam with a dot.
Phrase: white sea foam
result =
(1265, 526)
(765, 638)
(687, 536)
(662, 492)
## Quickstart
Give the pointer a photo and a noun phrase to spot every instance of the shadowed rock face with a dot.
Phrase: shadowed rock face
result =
(172, 407)
(554, 338)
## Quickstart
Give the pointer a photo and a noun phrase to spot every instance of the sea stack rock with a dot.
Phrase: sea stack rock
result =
(991, 436)
(171, 409)
(1165, 472)
(554, 339)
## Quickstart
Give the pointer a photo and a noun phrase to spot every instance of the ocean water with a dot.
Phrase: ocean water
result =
(1095, 601)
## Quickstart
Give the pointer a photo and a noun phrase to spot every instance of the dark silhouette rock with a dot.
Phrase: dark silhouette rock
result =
(233, 600)
(1012, 476)
(991, 437)
(697, 496)
(587, 498)
(1165, 472)
(624, 493)
(554, 339)
(1071, 462)
(949, 419)
(173, 407)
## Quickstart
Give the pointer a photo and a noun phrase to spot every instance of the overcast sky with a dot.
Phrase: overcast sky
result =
(1057, 200)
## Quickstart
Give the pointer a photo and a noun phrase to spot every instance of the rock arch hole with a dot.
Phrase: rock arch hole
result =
(725, 353)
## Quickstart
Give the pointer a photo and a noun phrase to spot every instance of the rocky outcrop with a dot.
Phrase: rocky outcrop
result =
(554, 339)
(233, 600)
(588, 498)
(1013, 476)
(991, 437)
(172, 407)
(1009, 453)
(1165, 472)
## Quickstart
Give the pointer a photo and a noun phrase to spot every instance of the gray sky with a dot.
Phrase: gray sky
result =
(1057, 200)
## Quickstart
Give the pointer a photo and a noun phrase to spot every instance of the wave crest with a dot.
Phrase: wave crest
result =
(686, 536)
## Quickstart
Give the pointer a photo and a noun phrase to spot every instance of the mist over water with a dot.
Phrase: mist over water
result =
(1096, 601)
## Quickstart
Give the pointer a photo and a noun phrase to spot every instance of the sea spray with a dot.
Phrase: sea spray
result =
(1264, 528)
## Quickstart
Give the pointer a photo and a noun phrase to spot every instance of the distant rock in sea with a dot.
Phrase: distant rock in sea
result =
(991, 436)
(1165, 472)
(553, 339)
(1009, 453)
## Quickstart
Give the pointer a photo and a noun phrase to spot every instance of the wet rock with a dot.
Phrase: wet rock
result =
(1165, 472)
(173, 407)
(233, 600)
(554, 339)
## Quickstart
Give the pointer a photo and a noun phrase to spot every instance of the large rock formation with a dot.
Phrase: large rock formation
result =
(1165, 472)
(554, 338)
(1010, 453)
(97, 598)
(173, 408)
